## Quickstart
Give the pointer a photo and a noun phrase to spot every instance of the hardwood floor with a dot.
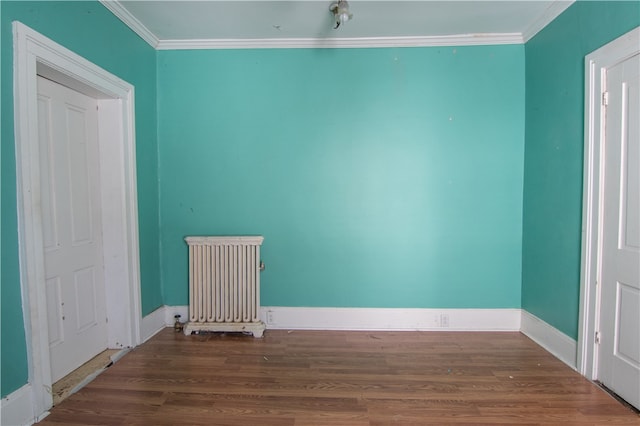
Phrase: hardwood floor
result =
(340, 378)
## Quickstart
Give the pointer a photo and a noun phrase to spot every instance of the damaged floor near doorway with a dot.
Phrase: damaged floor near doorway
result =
(74, 381)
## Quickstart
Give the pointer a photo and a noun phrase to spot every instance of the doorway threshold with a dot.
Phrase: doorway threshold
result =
(617, 397)
(80, 377)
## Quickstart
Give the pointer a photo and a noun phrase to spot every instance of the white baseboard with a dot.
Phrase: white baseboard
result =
(281, 317)
(553, 340)
(17, 408)
(161, 318)
(304, 318)
(152, 323)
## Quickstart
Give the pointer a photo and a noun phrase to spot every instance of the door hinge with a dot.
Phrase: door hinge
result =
(597, 338)
(605, 98)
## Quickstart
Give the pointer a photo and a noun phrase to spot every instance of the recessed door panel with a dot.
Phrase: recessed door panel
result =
(627, 347)
(630, 176)
(80, 208)
(47, 177)
(85, 298)
(55, 312)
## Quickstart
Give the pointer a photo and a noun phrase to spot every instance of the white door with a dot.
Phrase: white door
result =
(619, 352)
(72, 229)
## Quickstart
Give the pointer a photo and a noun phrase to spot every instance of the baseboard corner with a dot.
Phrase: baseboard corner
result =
(550, 338)
(161, 318)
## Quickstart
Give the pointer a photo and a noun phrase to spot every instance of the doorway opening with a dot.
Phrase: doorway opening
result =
(35, 54)
(608, 341)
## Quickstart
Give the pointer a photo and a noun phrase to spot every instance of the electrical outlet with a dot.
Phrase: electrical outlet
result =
(269, 317)
(444, 320)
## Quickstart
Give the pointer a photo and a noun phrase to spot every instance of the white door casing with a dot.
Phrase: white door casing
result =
(619, 325)
(610, 261)
(35, 55)
(71, 225)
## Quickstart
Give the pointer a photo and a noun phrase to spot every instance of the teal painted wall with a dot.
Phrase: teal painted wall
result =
(554, 155)
(378, 177)
(93, 32)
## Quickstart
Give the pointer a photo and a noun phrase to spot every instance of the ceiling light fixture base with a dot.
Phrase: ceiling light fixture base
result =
(341, 13)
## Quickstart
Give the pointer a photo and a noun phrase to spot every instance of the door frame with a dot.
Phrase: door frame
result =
(35, 54)
(596, 64)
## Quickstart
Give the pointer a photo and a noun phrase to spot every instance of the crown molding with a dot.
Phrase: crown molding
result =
(131, 21)
(363, 42)
(551, 13)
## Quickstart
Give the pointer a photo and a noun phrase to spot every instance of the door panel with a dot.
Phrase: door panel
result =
(85, 298)
(81, 226)
(627, 334)
(630, 202)
(619, 353)
(47, 178)
(69, 166)
(54, 311)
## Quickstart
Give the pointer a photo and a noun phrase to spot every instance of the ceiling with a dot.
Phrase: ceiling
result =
(264, 23)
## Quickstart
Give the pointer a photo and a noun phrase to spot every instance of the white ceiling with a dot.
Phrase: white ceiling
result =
(261, 23)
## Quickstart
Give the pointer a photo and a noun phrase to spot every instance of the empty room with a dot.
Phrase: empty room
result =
(320, 212)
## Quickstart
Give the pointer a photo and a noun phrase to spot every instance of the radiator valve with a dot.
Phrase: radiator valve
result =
(262, 267)
(177, 326)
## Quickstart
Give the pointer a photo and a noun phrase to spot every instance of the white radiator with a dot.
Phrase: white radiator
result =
(224, 284)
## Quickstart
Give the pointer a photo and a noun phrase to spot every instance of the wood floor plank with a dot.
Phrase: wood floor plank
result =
(304, 378)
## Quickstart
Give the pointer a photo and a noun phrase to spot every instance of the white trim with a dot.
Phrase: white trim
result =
(553, 11)
(553, 340)
(283, 317)
(36, 54)
(596, 64)
(17, 409)
(152, 324)
(139, 28)
(161, 318)
(119, 212)
(131, 21)
(305, 318)
(363, 42)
